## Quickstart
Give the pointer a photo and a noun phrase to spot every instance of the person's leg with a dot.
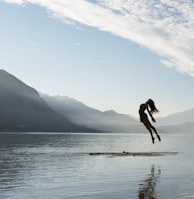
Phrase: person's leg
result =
(148, 126)
(149, 129)
(154, 129)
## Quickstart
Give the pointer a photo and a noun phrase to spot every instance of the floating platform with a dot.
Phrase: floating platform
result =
(124, 153)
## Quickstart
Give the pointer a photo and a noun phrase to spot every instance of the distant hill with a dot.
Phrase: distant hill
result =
(178, 118)
(111, 121)
(180, 128)
(81, 114)
(22, 109)
(181, 122)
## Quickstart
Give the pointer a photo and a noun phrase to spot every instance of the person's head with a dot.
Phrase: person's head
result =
(152, 106)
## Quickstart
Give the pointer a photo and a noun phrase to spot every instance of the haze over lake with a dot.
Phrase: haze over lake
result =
(39, 165)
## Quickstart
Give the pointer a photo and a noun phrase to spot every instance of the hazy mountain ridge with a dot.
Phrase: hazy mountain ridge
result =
(181, 122)
(22, 109)
(179, 118)
(112, 121)
(81, 114)
(180, 128)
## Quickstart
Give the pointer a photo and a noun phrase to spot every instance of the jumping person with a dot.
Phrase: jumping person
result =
(151, 108)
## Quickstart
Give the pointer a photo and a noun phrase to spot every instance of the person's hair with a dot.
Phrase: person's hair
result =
(152, 106)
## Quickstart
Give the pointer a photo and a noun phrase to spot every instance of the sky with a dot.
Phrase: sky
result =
(110, 55)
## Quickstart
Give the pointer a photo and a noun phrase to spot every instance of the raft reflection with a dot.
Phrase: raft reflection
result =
(147, 189)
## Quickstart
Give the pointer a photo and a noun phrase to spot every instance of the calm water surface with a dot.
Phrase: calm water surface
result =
(51, 166)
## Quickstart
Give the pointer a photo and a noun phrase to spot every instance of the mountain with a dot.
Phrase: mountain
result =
(81, 114)
(22, 109)
(111, 121)
(180, 128)
(181, 122)
(178, 118)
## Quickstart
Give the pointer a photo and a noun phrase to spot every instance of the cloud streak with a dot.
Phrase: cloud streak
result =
(166, 27)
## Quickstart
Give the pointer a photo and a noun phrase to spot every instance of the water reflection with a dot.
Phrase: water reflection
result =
(147, 189)
(50, 166)
(29, 158)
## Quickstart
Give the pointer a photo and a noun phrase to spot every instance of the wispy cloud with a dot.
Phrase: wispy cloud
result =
(14, 1)
(165, 27)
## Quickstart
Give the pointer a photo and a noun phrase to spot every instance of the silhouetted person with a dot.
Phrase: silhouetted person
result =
(151, 108)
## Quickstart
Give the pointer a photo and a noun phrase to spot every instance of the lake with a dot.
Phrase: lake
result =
(58, 166)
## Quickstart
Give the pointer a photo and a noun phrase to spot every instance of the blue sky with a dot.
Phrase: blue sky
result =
(107, 54)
